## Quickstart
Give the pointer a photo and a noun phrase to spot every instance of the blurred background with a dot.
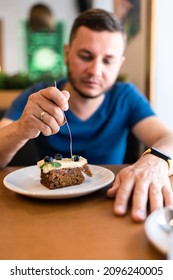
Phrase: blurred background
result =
(32, 35)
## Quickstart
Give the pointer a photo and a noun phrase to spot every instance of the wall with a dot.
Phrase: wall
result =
(14, 44)
(135, 66)
(163, 61)
(13, 15)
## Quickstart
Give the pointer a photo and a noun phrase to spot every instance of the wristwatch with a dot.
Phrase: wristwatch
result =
(159, 154)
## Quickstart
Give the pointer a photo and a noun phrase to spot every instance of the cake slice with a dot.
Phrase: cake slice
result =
(63, 172)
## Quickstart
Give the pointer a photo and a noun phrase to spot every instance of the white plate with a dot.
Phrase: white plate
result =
(26, 181)
(157, 236)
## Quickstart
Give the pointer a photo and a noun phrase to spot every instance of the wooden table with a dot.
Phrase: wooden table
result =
(82, 228)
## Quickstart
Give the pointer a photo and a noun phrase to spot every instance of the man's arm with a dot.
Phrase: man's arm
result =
(10, 141)
(13, 135)
(147, 180)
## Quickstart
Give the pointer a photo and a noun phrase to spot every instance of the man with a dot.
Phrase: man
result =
(101, 112)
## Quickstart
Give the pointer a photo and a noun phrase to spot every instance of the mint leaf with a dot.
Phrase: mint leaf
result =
(53, 163)
(56, 164)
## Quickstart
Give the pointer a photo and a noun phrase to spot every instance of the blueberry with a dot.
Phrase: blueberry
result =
(48, 159)
(76, 158)
(58, 156)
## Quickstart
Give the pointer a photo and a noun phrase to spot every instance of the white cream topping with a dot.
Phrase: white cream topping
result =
(65, 163)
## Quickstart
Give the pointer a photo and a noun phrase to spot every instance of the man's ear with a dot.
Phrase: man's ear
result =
(123, 59)
(66, 53)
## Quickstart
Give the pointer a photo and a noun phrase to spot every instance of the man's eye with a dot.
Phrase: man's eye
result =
(85, 58)
(109, 61)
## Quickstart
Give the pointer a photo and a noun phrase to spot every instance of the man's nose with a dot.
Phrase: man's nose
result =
(95, 67)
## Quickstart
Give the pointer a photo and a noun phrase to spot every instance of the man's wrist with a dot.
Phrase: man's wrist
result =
(159, 154)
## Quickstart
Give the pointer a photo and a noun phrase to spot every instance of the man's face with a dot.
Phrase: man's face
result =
(94, 60)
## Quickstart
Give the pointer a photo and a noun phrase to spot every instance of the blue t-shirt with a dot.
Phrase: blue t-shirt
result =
(101, 138)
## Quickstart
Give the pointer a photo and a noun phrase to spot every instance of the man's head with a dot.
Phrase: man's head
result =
(95, 53)
(97, 20)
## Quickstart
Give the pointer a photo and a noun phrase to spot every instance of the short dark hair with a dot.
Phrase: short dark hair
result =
(97, 20)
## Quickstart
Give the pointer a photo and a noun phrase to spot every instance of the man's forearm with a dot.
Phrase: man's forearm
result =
(10, 142)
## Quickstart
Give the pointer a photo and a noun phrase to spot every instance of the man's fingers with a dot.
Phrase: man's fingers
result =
(156, 197)
(66, 94)
(168, 195)
(112, 191)
(139, 201)
(122, 197)
(52, 94)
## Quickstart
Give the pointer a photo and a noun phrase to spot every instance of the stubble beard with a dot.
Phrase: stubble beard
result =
(81, 93)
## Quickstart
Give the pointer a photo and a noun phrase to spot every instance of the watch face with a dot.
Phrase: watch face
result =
(45, 59)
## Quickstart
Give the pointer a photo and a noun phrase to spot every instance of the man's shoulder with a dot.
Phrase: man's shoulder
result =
(124, 86)
(41, 85)
(38, 86)
(123, 90)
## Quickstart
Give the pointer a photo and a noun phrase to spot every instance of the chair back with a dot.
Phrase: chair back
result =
(133, 149)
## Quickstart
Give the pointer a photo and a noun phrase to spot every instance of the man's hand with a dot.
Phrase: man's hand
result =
(43, 113)
(146, 180)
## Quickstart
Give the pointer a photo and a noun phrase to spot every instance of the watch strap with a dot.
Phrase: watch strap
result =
(159, 154)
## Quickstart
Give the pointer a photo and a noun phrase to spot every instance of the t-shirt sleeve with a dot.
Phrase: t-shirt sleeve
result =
(139, 106)
(15, 110)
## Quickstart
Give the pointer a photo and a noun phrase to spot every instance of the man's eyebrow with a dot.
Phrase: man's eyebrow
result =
(85, 51)
(109, 56)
